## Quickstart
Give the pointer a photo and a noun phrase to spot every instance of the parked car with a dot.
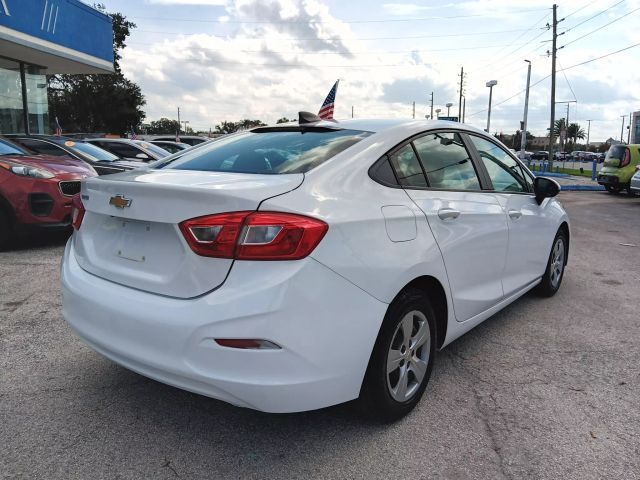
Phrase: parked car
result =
(188, 139)
(619, 166)
(36, 190)
(102, 161)
(540, 155)
(289, 268)
(129, 149)
(171, 147)
(600, 157)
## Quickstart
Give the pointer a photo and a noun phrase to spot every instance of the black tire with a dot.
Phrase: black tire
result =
(6, 230)
(630, 192)
(612, 189)
(551, 280)
(376, 400)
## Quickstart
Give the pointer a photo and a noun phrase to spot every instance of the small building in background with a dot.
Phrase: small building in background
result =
(44, 37)
(635, 128)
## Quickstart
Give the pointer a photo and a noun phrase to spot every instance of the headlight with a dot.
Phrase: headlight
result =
(25, 170)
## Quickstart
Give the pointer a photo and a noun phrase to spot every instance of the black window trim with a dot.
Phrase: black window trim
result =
(486, 172)
(485, 184)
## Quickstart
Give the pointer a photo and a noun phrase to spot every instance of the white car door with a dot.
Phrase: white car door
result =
(468, 224)
(531, 226)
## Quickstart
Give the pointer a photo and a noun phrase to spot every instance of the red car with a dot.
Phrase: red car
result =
(36, 190)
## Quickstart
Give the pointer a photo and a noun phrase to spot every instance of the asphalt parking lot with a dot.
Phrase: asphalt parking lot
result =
(544, 389)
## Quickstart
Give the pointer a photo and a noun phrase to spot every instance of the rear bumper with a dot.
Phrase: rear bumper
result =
(612, 180)
(635, 185)
(325, 325)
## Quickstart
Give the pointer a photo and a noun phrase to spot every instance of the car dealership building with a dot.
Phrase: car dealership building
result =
(44, 37)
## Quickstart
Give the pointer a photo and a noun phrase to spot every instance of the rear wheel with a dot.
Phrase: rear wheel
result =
(552, 277)
(612, 189)
(402, 358)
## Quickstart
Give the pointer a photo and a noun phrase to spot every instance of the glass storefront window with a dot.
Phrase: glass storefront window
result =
(11, 114)
(37, 100)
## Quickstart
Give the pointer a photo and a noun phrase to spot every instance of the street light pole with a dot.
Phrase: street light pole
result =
(622, 128)
(438, 110)
(523, 135)
(490, 84)
(588, 133)
(449, 105)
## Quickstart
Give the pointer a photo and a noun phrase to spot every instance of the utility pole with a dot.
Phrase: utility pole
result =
(461, 92)
(523, 134)
(464, 107)
(629, 128)
(351, 111)
(431, 117)
(554, 52)
(622, 128)
(588, 133)
(179, 124)
(414, 110)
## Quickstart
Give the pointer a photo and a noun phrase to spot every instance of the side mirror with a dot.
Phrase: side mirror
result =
(142, 156)
(544, 187)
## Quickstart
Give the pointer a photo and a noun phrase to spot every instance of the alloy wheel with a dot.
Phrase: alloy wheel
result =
(408, 356)
(557, 262)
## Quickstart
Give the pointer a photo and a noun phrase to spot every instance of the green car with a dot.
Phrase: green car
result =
(619, 166)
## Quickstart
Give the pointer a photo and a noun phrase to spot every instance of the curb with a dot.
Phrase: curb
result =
(583, 188)
(550, 174)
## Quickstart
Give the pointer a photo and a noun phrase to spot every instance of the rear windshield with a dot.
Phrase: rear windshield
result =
(616, 151)
(269, 151)
(96, 154)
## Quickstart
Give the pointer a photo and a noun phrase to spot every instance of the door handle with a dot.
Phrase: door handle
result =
(515, 214)
(448, 213)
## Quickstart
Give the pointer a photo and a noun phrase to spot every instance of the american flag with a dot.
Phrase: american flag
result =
(58, 128)
(326, 110)
(133, 135)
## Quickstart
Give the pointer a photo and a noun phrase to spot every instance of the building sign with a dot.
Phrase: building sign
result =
(62, 27)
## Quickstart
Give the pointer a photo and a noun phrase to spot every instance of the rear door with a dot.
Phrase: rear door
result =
(531, 228)
(468, 224)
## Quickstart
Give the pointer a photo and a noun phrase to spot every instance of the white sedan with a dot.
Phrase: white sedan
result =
(299, 266)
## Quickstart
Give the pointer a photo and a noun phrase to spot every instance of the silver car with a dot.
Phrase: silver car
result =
(634, 186)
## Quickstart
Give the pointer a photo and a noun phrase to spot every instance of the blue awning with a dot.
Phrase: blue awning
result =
(64, 36)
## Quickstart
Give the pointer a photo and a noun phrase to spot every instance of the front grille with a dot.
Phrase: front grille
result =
(69, 188)
(40, 204)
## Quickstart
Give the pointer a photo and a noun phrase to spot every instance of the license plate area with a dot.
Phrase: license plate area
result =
(133, 238)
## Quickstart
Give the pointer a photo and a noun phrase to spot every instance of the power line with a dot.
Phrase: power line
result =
(581, 8)
(262, 38)
(567, 80)
(594, 16)
(561, 70)
(225, 50)
(601, 27)
(320, 22)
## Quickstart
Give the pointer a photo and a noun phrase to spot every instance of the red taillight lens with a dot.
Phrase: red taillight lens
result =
(77, 211)
(626, 159)
(254, 235)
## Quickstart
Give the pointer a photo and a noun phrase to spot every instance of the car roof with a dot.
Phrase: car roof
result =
(377, 125)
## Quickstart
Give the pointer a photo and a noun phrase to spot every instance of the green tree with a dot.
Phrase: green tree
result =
(226, 127)
(107, 103)
(517, 138)
(246, 124)
(558, 126)
(164, 125)
(283, 120)
(575, 132)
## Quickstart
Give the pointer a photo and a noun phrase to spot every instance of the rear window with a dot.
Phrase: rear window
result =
(616, 151)
(96, 154)
(268, 151)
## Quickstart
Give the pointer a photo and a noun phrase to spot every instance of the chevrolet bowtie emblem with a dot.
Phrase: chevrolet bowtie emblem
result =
(120, 201)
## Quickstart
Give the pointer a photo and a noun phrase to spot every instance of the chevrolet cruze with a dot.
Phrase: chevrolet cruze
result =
(299, 266)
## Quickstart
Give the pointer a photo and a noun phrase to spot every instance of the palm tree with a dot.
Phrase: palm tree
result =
(559, 125)
(575, 132)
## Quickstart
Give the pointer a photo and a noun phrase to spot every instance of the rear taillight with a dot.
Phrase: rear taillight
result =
(77, 211)
(626, 159)
(254, 235)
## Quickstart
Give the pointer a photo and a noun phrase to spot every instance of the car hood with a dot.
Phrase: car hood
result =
(54, 164)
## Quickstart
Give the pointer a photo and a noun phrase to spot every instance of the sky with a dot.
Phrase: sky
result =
(264, 59)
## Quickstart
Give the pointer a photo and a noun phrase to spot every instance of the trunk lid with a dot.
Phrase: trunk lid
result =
(141, 246)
